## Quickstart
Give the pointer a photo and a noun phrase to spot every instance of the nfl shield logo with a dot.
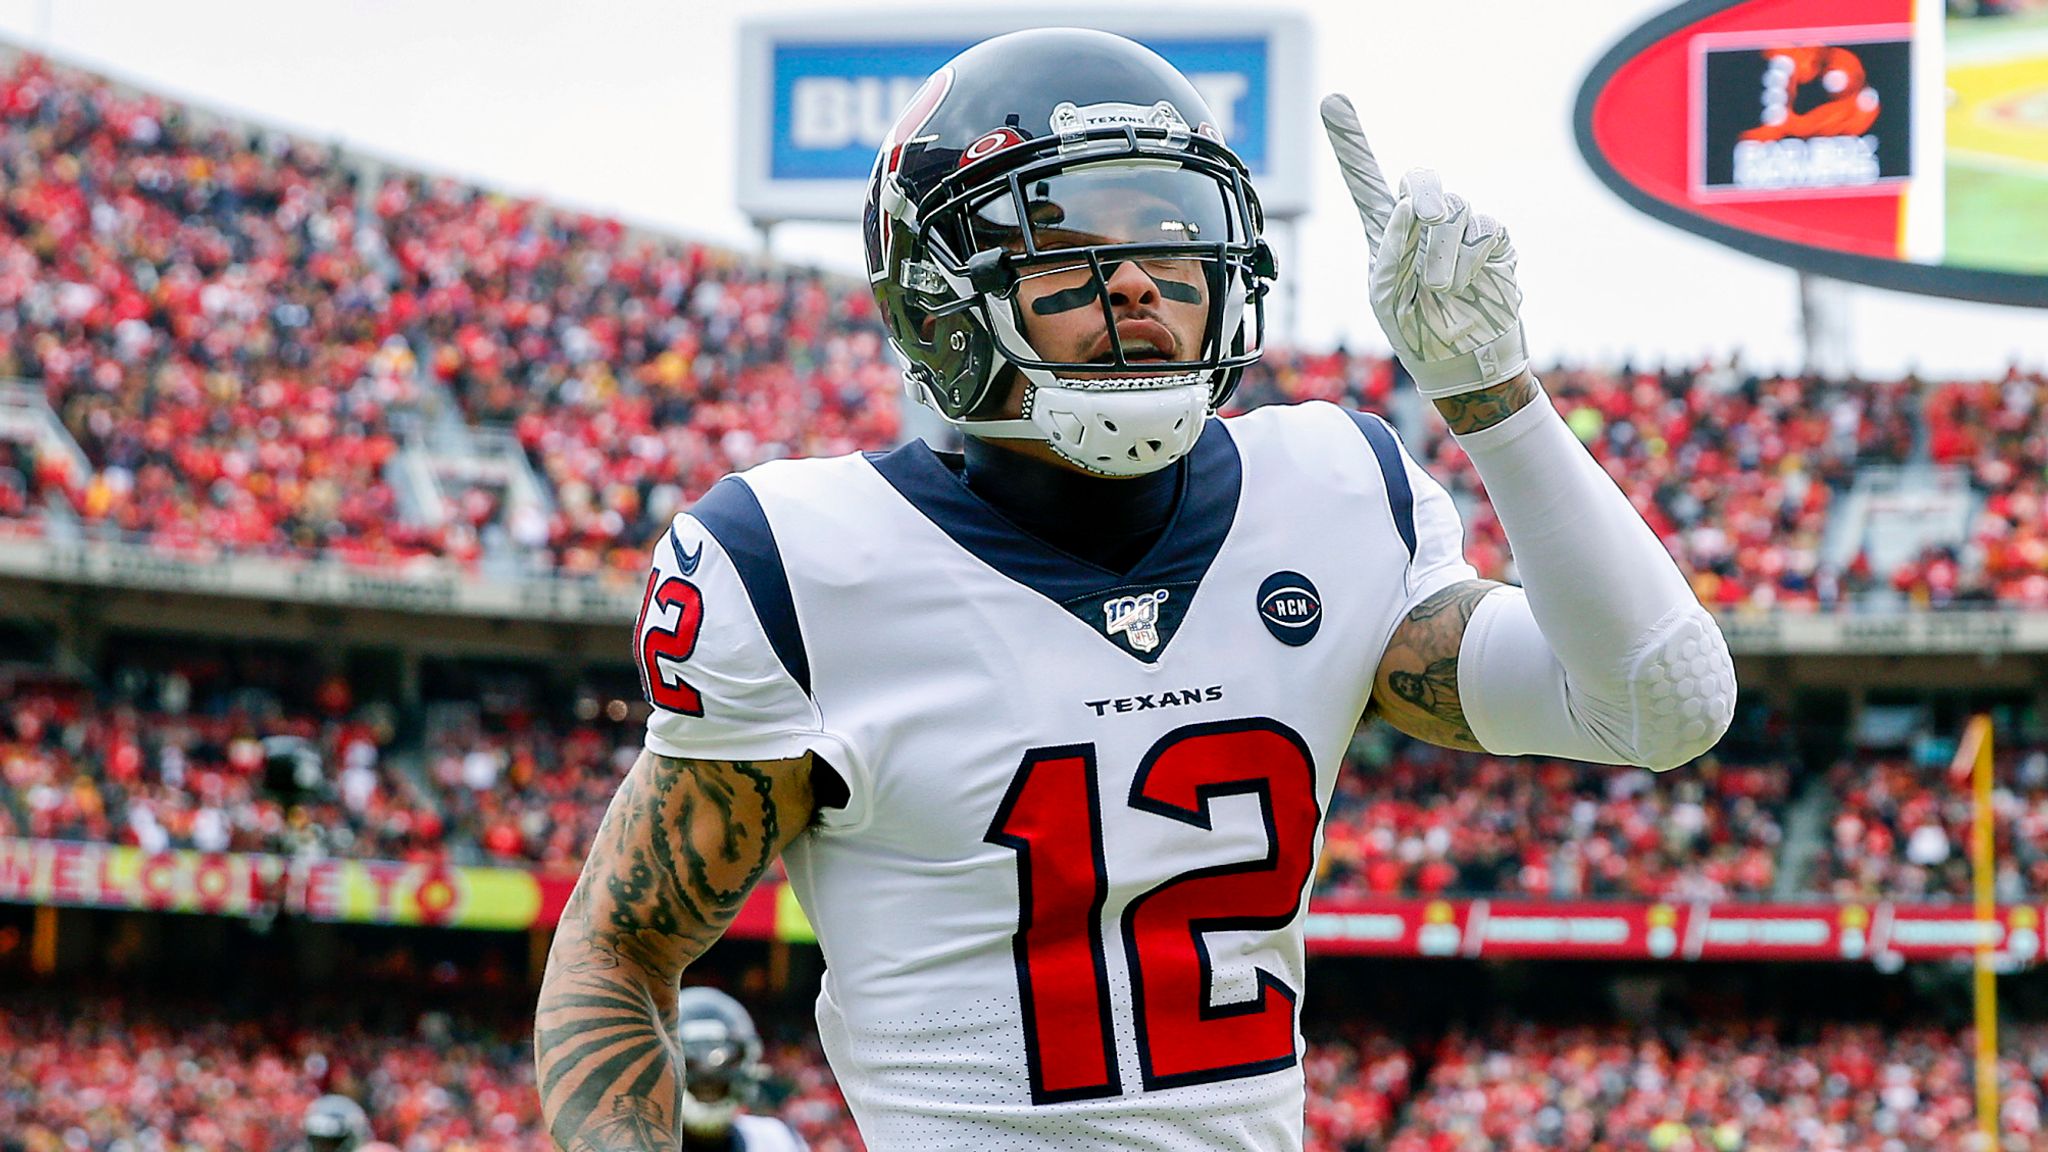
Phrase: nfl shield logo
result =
(1137, 617)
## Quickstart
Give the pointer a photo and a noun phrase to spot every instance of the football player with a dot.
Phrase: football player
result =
(335, 1123)
(722, 1074)
(1045, 731)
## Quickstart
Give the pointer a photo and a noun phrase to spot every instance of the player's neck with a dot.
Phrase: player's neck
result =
(1109, 522)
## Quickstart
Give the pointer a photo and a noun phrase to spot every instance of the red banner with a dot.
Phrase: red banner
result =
(382, 892)
(1587, 930)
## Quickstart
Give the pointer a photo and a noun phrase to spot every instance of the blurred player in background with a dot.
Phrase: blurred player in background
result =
(1046, 730)
(336, 1124)
(722, 1072)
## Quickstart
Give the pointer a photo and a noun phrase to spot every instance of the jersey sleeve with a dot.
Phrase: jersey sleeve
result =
(719, 654)
(1424, 514)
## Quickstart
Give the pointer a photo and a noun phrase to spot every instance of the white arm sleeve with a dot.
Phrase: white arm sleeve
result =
(1604, 654)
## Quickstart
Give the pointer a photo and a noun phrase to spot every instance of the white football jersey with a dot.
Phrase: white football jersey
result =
(1062, 905)
(766, 1134)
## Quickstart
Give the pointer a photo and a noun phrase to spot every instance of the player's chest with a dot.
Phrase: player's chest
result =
(1148, 722)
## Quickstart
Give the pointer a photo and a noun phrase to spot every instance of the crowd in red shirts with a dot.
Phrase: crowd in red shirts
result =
(198, 308)
(119, 1074)
(1902, 828)
(212, 757)
(1738, 475)
(210, 762)
(1998, 432)
(1427, 821)
(1846, 1088)
(223, 780)
(239, 329)
(111, 1075)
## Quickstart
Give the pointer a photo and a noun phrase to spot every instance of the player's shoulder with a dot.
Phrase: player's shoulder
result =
(747, 503)
(797, 478)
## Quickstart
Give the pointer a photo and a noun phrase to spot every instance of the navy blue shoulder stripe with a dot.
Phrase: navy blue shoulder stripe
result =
(1399, 495)
(732, 514)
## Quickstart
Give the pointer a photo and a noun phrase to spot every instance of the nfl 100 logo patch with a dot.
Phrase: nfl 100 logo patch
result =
(1135, 618)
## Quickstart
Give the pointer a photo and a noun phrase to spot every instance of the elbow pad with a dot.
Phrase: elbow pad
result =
(1670, 699)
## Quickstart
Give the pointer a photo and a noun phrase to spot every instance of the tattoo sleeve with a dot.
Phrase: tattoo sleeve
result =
(1417, 687)
(1471, 411)
(679, 849)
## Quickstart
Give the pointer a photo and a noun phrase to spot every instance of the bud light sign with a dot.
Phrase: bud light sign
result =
(818, 97)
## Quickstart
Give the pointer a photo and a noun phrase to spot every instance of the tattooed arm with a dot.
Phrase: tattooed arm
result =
(679, 849)
(1417, 687)
(1603, 655)
(1471, 411)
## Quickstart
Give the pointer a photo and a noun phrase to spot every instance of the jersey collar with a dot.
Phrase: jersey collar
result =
(1177, 562)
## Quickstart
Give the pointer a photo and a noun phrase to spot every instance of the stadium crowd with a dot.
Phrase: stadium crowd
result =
(227, 779)
(121, 1077)
(1433, 822)
(1846, 1088)
(1901, 829)
(200, 755)
(234, 326)
(247, 751)
(1738, 473)
(242, 331)
(113, 1075)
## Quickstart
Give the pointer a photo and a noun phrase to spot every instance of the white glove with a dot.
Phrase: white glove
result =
(1443, 276)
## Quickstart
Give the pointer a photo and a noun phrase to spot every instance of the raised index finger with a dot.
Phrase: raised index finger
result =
(1361, 172)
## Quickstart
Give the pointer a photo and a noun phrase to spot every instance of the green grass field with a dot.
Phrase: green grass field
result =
(1997, 171)
(1996, 220)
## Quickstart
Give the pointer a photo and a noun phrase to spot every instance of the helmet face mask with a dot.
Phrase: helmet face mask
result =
(1025, 175)
(1084, 222)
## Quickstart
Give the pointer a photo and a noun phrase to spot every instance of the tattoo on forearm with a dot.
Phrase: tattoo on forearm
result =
(1420, 667)
(1471, 411)
(674, 858)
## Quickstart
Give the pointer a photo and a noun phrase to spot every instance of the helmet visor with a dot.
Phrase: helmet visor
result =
(1125, 202)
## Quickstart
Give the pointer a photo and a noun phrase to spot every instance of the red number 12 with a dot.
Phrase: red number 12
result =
(658, 643)
(1052, 819)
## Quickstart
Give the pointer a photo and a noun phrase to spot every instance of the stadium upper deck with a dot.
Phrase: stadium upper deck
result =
(258, 347)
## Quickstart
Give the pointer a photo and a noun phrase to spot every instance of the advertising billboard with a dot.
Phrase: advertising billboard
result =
(1890, 142)
(819, 94)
